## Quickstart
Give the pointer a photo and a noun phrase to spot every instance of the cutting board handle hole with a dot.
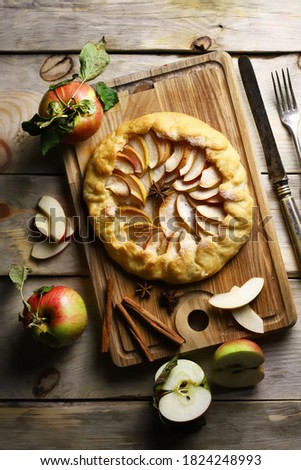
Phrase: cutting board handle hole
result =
(198, 320)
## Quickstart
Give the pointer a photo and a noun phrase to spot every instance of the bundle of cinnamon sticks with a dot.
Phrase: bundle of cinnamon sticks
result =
(127, 307)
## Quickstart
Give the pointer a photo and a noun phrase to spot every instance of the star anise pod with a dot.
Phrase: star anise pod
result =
(169, 300)
(143, 289)
(158, 190)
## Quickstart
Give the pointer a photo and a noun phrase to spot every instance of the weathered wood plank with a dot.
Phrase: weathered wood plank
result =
(28, 371)
(158, 26)
(135, 425)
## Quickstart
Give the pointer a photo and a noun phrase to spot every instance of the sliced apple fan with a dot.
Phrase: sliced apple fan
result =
(182, 184)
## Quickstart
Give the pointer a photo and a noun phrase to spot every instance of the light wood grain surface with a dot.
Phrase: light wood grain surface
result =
(51, 396)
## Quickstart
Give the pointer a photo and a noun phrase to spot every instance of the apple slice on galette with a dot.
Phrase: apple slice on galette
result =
(168, 197)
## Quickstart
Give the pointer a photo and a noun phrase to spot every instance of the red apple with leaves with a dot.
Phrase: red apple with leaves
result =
(71, 110)
(54, 315)
(81, 102)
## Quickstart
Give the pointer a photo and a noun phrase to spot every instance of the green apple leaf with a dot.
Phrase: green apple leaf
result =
(86, 107)
(18, 274)
(43, 290)
(107, 96)
(93, 60)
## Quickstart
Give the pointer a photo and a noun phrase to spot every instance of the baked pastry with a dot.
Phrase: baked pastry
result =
(168, 197)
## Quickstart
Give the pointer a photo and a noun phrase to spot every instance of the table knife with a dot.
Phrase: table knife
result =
(275, 166)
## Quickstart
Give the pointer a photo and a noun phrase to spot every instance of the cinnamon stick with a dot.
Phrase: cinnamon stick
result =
(157, 324)
(135, 332)
(107, 319)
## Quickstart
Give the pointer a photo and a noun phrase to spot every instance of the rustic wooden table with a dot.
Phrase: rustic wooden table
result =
(76, 398)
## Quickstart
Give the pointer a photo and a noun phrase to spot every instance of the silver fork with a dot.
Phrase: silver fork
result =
(287, 106)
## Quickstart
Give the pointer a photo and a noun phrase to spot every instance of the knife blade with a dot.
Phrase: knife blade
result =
(275, 166)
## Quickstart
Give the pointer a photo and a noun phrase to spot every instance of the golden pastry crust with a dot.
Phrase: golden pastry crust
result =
(181, 254)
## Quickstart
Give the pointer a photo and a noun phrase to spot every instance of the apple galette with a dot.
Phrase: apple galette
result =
(168, 197)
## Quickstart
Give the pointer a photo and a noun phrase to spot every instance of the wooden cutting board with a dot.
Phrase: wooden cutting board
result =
(204, 87)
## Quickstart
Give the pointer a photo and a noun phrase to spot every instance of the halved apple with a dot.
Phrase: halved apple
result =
(238, 364)
(186, 212)
(181, 391)
(197, 167)
(240, 297)
(118, 185)
(211, 177)
(247, 317)
(214, 212)
(51, 208)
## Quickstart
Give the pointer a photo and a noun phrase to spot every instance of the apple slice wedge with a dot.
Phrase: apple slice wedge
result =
(156, 243)
(247, 317)
(49, 206)
(238, 364)
(124, 164)
(48, 249)
(137, 188)
(42, 223)
(189, 155)
(186, 212)
(118, 185)
(211, 177)
(181, 392)
(139, 145)
(158, 173)
(131, 216)
(168, 218)
(136, 158)
(165, 150)
(174, 243)
(180, 185)
(176, 157)
(215, 213)
(206, 227)
(239, 297)
(153, 150)
(197, 167)
(202, 194)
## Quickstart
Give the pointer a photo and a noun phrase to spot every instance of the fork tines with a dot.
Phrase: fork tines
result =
(285, 99)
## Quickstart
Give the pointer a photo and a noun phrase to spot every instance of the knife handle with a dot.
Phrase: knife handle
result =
(292, 217)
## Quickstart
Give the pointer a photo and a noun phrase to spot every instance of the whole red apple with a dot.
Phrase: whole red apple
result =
(68, 97)
(57, 315)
